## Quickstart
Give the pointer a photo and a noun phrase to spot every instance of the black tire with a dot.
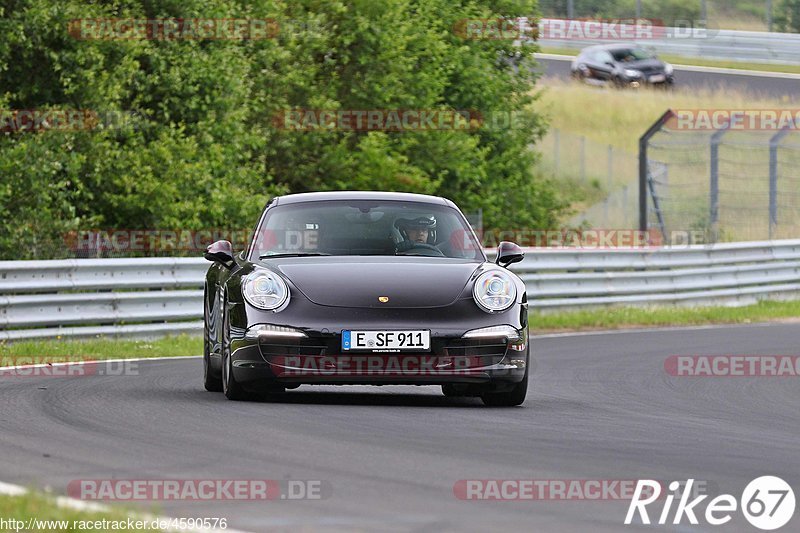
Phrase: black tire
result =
(212, 382)
(580, 74)
(514, 397)
(231, 389)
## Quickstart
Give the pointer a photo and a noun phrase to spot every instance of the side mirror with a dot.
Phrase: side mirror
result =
(220, 251)
(509, 253)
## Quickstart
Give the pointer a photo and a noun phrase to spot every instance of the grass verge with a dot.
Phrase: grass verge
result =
(40, 351)
(586, 120)
(699, 62)
(615, 117)
(38, 512)
(632, 317)
(588, 320)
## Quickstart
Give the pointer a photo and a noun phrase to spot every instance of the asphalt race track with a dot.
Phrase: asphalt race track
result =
(785, 89)
(601, 406)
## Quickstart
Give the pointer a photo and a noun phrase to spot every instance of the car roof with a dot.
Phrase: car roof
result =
(361, 195)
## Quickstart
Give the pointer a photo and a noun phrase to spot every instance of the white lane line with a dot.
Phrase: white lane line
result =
(554, 57)
(655, 330)
(64, 502)
(11, 490)
(739, 72)
(695, 68)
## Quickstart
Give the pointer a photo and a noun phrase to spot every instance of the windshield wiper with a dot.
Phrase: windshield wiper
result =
(292, 254)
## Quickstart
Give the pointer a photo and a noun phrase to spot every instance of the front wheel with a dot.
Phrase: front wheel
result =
(211, 381)
(508, 399)
(580, 74)
(230, 387)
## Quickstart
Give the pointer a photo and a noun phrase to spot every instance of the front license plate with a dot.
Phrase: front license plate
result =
(390, 341)
(658, 78)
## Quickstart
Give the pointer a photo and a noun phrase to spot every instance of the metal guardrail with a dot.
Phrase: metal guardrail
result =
(155, 296)
(734, 45)
(726, 274)
(89, 297)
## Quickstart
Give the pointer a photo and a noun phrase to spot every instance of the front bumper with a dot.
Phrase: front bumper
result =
(495, 363)
(650, 79)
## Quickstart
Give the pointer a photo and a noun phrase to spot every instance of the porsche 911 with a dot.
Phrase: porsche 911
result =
(365, 288)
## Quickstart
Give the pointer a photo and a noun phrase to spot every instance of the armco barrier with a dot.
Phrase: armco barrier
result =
(731, 45)
(155, 296)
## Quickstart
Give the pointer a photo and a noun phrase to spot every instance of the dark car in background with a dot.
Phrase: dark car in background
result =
(623, 65)
(369, 288)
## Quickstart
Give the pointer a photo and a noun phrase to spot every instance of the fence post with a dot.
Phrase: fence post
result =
(643, 170)
(769, 15)
(774, 144)
(713, 195)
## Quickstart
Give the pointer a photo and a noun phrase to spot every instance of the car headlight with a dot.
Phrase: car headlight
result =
(668, 69)
(265, 290)
(494, 291)
(633, 73)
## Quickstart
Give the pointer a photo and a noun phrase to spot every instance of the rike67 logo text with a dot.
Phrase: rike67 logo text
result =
(767, 503)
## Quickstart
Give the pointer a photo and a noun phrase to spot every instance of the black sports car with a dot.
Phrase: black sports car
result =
(365, 288)
(624, 65)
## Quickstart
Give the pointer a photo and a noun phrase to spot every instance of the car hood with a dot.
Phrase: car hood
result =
(359, 281)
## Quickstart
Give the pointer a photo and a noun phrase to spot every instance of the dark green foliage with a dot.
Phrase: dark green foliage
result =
(200, 150)
(787, 16)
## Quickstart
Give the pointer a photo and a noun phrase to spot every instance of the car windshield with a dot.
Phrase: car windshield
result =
(360, 227)
(626, 55)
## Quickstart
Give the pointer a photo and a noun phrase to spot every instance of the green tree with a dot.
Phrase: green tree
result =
(201, 150)
(787, 16)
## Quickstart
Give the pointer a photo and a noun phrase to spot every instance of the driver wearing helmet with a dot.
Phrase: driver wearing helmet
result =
(418, 232)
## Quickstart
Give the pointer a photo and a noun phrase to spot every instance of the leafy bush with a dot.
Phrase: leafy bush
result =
(201, 151)
(787, 16)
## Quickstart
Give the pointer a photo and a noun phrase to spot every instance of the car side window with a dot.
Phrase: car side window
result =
(604, 57)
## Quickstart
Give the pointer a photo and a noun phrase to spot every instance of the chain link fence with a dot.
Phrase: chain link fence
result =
(729, 185)
(610, 172)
